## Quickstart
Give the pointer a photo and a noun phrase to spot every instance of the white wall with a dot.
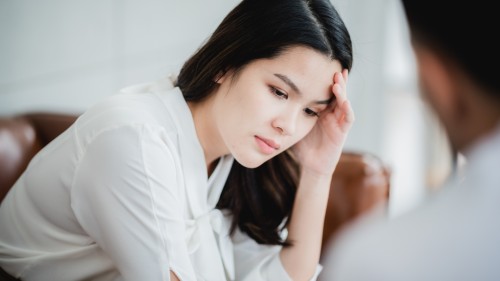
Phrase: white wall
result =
(64, 55)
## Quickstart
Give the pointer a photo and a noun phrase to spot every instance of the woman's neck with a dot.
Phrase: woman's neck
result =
(207, 132)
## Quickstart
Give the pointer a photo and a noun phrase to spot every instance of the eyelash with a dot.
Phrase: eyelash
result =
(281, 95)
(311, 112)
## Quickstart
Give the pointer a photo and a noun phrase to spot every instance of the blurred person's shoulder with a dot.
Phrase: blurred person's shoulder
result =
(446, 237)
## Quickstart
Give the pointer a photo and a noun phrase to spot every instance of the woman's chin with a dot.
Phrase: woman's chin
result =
(250, 162)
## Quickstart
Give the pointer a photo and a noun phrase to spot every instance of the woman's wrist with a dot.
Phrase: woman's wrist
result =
(320, 171)
(315, 180)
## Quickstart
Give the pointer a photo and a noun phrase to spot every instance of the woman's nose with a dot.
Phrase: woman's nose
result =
(286, 122)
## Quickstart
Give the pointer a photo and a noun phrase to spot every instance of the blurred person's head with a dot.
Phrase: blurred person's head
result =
(457, 55)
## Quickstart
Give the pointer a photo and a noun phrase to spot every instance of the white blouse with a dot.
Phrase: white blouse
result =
(123, 194)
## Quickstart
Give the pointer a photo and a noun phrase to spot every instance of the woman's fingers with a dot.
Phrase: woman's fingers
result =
(339, 86)
(343, 111)
(345, 75)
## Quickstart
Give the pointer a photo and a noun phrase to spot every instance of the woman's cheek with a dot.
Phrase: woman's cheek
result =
(309, 124)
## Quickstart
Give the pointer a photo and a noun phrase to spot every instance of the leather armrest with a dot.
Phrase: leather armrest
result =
(21, 137)
(360, 183)
(18, 144)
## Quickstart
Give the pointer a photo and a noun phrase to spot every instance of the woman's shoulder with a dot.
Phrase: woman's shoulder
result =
(141, 104)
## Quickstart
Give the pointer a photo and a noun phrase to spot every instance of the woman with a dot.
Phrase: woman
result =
(144, 186)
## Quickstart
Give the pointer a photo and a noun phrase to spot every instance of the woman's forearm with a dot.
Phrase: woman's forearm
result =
(306, 226)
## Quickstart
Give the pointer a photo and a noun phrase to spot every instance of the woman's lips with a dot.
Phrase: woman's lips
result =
(267, 146)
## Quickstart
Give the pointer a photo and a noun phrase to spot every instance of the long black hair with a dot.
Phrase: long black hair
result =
(261, 199)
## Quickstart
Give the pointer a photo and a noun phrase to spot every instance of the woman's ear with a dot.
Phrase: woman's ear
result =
(221, 77)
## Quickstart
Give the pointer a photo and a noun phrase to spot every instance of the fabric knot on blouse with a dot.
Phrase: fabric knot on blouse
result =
(219, 239)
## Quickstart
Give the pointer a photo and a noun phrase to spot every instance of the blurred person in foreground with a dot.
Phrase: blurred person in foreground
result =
(455, 235)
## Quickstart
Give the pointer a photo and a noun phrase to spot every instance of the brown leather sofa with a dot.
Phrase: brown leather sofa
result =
(360, 182)
(21, 137)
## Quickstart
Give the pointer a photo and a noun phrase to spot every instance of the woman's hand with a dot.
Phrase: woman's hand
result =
(319, 151)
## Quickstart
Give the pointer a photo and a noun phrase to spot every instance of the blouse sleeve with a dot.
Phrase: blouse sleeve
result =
(257, 262)
(126, 196)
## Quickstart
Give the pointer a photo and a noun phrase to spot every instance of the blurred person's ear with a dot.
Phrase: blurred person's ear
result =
(437, 85)
(445, 88)
(457, 99)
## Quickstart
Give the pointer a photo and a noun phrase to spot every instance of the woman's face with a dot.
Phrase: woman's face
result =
(271, 104)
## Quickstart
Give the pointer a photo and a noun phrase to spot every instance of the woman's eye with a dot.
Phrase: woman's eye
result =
(311, 112)
(279, 93)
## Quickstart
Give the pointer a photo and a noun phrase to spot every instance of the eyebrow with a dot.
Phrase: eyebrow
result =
(289, 82)
(294, 87)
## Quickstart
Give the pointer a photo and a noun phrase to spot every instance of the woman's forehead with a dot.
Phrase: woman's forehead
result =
(304, 70)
